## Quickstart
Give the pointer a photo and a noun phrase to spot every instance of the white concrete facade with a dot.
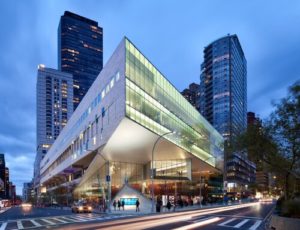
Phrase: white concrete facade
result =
(94, 120)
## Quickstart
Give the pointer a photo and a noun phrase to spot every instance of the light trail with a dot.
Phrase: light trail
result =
(198, 224)
(157, 220)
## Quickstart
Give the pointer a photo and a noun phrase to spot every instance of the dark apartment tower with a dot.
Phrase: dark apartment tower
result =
(7, 183)
(80, 51)
(2, 177)
(253, 120)
(223, 86)
(192, 94)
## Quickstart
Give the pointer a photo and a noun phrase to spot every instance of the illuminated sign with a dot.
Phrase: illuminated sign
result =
(129, 201)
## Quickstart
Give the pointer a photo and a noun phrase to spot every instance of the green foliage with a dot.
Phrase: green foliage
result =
(290, 208)
(275, 145)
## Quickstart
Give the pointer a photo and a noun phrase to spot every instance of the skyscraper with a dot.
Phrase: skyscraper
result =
(54, 108)
(223, 86)
(2, 176)
(192, 93)
(80, 51)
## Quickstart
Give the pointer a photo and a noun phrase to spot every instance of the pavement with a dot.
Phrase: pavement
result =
(2, 210)
(244, 216)
(52, 221)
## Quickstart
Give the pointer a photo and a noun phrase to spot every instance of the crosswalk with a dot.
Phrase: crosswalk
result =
(43, 222)
(236, 222)
(251, 223)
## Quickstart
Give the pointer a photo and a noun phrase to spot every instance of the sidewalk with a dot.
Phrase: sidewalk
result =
(2, 210)
(131, 210)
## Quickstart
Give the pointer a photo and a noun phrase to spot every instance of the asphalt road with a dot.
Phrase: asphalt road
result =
(248, 216)
(15, 213)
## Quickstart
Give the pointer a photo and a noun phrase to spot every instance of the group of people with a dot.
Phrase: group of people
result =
(121, 204)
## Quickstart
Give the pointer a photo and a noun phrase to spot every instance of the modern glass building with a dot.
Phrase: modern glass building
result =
(223, 86)
(80, 51)
(109, 140)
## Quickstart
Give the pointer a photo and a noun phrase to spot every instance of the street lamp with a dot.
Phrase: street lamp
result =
(152, 168)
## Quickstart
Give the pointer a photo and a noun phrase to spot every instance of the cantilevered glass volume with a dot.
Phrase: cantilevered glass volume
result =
(152, 101)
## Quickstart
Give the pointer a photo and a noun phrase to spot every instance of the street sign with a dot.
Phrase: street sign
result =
(107, 178)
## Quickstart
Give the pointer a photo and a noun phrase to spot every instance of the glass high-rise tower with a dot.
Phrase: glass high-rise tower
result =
(223, 86)
(80, 51)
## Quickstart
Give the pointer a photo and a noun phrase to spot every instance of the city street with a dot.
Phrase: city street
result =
(248, 216)
(245, 216)
(40, 218)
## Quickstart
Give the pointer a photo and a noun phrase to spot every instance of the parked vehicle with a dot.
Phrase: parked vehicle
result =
(81, 207)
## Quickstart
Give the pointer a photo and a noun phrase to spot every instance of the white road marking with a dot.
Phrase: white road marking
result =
(198, 224)
(68, 219)
(227, 222)
(242, 217)
(48, 221)
(3, 226)
(62, 221)
(35, 223)
(241, 223)
(256, 225)
(78, 218)
(20, 225)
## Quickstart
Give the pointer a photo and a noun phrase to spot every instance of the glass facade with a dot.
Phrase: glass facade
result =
(80, 51)
(153, 102)
(223, 88)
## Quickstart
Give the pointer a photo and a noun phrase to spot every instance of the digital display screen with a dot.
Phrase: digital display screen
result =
(129, 201)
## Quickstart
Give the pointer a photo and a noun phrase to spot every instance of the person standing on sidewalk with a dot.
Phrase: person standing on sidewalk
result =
(123, 204)
(119, 205)
(169, 205)
(115, 205)
(137, 205)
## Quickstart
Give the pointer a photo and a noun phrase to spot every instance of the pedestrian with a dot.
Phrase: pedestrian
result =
(119, 205)
(169, 205)
(115, 205)
(123, 204)
(137, 205)
(158, 204)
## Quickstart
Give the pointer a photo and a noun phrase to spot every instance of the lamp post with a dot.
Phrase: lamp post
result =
(200, 201)
(152, 169)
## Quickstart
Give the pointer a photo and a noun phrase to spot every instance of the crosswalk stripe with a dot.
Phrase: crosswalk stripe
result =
(3, 226)
(77, 218)
(48, 221)
(35, 223)
(68, 219)
(88, 217)
(20, 225)
(241, 223)
(227, 222)
(255, 226)
(62, 221)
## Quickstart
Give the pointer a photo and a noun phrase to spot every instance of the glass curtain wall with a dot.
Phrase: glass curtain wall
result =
(152, 101)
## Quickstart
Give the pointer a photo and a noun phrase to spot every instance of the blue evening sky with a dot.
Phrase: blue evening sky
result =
(172, 34)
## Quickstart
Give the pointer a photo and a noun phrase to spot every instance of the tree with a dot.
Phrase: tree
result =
(274, 146)
(284, 128)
